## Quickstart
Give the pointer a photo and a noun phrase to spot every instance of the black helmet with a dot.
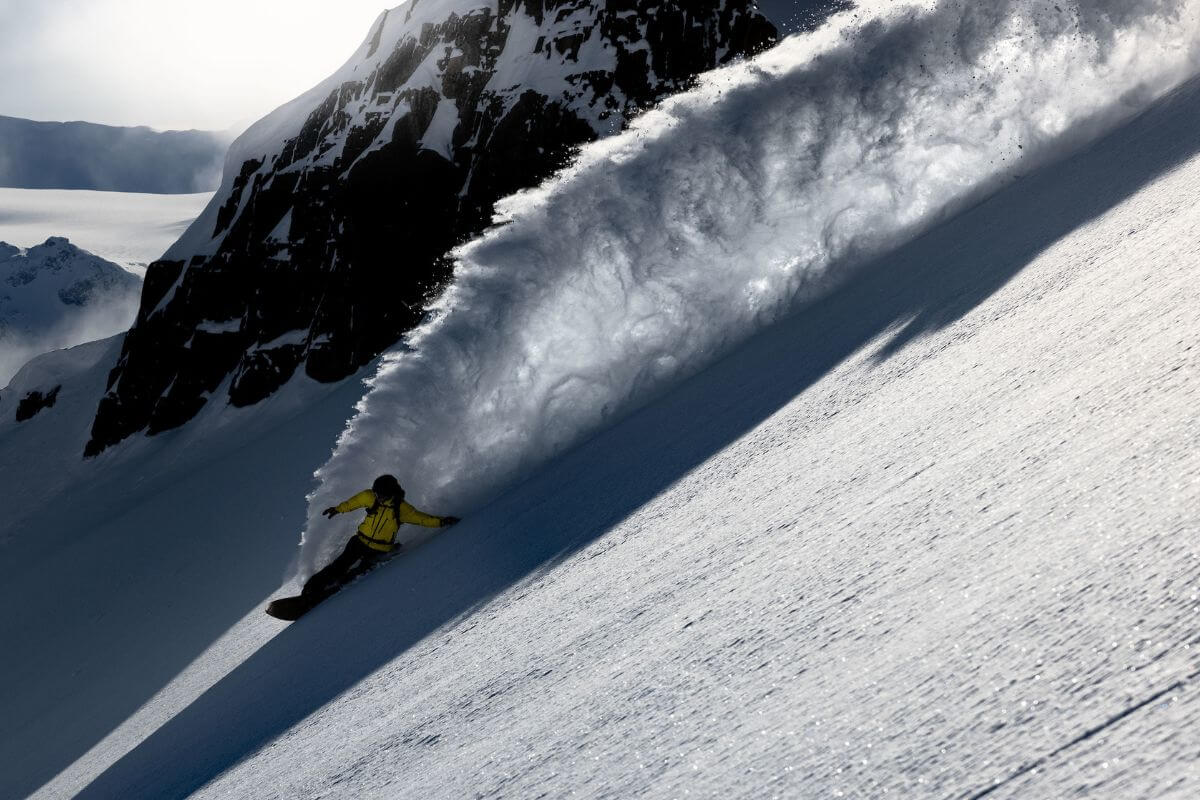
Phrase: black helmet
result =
(388, 486)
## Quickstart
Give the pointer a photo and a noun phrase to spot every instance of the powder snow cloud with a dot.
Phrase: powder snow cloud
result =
(714, 215)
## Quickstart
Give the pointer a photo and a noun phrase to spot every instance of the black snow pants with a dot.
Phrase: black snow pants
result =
(356, 559)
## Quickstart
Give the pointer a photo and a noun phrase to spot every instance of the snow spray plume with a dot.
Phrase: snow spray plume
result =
(660, 249)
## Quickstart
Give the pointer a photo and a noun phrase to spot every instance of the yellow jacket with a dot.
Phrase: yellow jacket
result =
(378, 530)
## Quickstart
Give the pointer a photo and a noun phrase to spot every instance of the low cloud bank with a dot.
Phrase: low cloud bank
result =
(56, 295)
(82, 155)
(114, 316)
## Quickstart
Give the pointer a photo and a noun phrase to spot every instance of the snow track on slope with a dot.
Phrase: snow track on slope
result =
(723, 210)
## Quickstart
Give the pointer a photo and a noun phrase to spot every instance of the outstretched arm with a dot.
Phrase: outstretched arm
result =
(411, 515)
(361, 500)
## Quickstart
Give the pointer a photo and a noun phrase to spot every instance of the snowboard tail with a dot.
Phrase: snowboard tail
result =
(293, 608)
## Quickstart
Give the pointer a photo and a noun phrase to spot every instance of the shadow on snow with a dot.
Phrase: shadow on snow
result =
(927, 284)
(144, 572)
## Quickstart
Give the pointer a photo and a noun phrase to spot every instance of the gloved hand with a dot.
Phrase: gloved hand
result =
(330, 512)
(448, 521)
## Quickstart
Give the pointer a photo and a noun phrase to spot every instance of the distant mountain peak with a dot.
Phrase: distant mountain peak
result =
(56, 295)
(55, 270)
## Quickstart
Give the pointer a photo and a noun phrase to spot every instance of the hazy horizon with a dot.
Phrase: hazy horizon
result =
(172, 64)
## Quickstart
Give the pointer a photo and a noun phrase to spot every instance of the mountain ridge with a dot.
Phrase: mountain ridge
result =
(57, 295)
(87, 155)
(336, 212)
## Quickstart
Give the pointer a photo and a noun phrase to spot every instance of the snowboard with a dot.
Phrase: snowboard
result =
(291, 609)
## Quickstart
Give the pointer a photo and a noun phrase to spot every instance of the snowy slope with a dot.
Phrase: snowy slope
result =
(127, 567)
(933, 537)
(129, 229)
(56, 295)
(929, 533)
(726, 208)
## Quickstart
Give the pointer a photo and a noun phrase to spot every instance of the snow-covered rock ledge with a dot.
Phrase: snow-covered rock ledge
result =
(337, 210)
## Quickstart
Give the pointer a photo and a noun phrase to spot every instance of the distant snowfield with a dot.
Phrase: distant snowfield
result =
(128, 229)
(933, 537)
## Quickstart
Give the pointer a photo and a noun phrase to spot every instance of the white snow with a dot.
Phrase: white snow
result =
(56, 295)
(930, 537)
(294, 337)
(522, 67)
(128, 229)
(128, 566)
(715, 214)
(932, 534)
(265, 139)
(519, 69)
(439, 135)
(282, 232)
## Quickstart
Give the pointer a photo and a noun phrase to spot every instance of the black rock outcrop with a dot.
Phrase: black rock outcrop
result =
(36, 401)
(336, 214)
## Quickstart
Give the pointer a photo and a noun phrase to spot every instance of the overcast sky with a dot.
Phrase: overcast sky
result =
(210, 64)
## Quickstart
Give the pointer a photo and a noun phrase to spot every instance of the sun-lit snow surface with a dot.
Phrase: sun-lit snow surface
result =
(129, 229)
(936, 531)
(934, 537)
(666, 245)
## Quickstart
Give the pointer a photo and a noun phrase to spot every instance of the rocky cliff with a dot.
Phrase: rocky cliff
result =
(336, 212)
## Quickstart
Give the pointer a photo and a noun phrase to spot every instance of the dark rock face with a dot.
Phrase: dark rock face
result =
(327, 240)
(791, 16)
(36, 401)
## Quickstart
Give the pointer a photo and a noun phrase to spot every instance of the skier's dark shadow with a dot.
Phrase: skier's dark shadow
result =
(158, 568)
(927, 284)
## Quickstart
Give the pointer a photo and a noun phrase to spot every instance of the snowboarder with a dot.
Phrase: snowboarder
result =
(386, 511)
